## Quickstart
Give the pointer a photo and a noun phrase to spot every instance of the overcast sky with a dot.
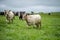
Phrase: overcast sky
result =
(31, 5)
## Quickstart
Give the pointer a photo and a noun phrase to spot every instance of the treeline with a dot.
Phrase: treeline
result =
(1, 13)
(16, 13)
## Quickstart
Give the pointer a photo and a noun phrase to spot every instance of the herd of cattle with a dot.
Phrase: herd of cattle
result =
(31, 19)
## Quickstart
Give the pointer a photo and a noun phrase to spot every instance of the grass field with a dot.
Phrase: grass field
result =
(50, 29)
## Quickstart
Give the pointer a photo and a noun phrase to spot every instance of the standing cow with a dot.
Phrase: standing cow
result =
(33, 20)
(9, 15)
(21, 14)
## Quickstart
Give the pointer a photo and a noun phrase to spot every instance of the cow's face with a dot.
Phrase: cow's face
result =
(6, 12)
(24, 16)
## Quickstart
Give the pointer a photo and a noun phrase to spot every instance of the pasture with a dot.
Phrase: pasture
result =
(50, 29)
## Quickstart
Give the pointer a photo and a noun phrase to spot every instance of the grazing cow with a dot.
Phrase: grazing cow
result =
(9, 15)
(33, 20)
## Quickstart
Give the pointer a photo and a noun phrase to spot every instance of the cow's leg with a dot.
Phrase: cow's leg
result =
(14, 17)
(12, 20)
(40, 24)
(6, 19)
(37, 25)
(34, 26)
(9, 20)
(28, 24)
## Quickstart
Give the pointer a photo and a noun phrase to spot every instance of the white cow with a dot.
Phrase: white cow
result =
(9, 15)
(33, 20)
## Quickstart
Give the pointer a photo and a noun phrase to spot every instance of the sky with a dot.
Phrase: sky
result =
(30, 5)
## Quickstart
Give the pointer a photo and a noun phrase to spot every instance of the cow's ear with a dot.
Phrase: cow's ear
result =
(9, 10)
(4, 12)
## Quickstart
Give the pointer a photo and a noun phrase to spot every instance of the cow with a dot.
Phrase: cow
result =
(9, 15)
(33, 20)
(21, 14)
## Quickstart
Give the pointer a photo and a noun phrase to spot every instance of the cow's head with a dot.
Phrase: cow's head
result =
(24, 16)
(6, 12)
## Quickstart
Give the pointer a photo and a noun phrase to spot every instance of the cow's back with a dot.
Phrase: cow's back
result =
(33, 18)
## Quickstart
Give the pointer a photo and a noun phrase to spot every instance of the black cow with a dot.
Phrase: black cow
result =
(21, 14)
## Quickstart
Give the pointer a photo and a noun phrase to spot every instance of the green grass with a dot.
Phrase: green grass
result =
(17, 30)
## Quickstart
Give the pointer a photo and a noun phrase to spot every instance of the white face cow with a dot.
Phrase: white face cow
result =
(6, 12)
(9, 15)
